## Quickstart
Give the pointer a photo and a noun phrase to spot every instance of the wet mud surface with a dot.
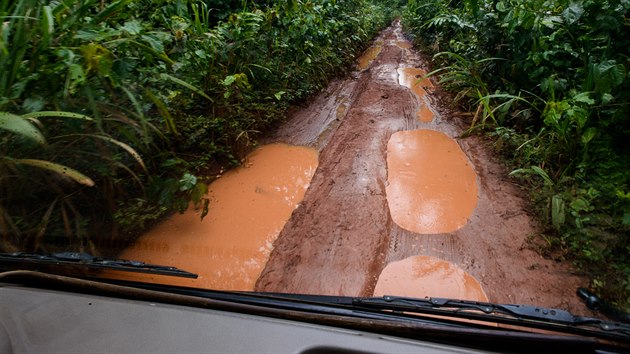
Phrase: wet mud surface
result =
(425, 276)
(341, 237)
(248, 207)
(431, 187)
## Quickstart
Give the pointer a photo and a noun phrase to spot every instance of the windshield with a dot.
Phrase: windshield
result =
(472, 150)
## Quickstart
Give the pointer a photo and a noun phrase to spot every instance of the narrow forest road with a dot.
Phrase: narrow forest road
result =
(342, 236)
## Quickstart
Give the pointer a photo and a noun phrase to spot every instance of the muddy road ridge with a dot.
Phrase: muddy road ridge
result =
(342, 236)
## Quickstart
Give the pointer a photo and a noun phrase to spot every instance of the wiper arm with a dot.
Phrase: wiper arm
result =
(89, 261)
(596, 304)
(510, 314)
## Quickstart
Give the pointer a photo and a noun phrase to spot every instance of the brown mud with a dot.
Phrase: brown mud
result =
(412, 78)
(364, 61)
(342, 237)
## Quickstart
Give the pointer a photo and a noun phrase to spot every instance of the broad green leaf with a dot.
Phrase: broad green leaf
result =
(557, 211)
(551, 21)
(229, 80)
(132, 27)
(19, 125)
(579, 115)
(579, 204)
(584, 97)
(57, 168)
(47, 24)
(279, 94)
(187, 182)
(154, 43)
(606, 98)
(573, 12)
(588, 135)
(33, 104)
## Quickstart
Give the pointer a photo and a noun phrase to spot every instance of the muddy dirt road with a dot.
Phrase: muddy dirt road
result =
(367, 190)
(342, 236)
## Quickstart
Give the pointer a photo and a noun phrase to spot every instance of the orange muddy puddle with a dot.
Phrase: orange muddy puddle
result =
(424, 276)
(368, 56)
(425, 114)
(410, 77)
(432, 187)
(403, 44)
(248, 208)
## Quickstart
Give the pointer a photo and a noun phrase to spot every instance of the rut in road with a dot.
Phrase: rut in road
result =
(341, 237)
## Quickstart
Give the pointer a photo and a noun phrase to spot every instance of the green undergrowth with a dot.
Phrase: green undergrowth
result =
(548, 80)
(115, 113)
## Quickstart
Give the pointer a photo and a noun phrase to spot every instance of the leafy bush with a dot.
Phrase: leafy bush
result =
(143, 97)
(549, 79)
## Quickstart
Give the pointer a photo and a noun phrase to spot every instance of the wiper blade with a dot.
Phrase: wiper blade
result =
(89, 261)
(596, 304)
(509, 314)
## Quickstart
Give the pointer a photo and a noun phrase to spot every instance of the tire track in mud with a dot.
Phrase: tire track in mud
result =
(342, 236)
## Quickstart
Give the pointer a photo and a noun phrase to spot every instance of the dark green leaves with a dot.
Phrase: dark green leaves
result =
(20, 126)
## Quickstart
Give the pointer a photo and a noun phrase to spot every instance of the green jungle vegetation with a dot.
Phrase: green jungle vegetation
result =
(112, 113)
(548, 81)
(115, 113)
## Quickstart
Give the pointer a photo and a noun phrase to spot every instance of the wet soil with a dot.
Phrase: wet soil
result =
(425, 276)
(431, 187)
(341, 237)
(230, 246)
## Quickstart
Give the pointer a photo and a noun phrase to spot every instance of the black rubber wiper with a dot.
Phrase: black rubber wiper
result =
(85, 260)
(594, 303)
(508, 314)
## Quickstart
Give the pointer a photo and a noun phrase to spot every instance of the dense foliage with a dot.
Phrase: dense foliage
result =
(109, 111)
(549, 80)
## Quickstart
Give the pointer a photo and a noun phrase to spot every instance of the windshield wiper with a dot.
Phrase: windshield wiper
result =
(86, 260)
(509, 314)
(596, 304)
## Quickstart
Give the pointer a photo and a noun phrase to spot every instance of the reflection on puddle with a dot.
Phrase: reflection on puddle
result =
(248, 208)
(341, 108)
(425, 114)
(403, 44)
(410, 77)
(369, 55)
(423, 276)
(432, 187)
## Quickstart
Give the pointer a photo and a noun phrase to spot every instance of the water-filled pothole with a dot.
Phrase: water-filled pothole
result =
(249, 207)
(404, 44)
(368, 56)
(412, 79)
(432, 187)
(422, 276)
